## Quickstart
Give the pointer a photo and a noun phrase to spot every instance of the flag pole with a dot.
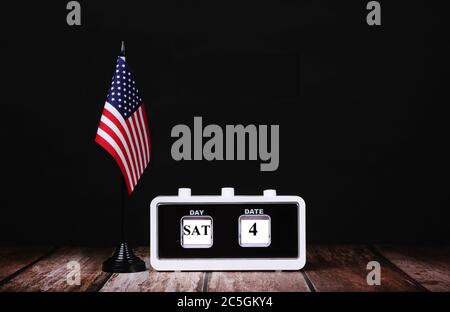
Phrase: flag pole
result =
(123, 204)
(123, 260)
(123, 186)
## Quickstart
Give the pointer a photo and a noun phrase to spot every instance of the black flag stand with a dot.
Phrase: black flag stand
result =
(123, 260)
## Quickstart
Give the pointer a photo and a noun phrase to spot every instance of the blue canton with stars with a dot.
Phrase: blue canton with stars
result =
(124, 94)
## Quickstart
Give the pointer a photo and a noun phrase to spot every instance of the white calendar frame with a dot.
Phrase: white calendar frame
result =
(227, 264)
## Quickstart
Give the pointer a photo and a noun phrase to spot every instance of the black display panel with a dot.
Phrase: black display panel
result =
(284, 231)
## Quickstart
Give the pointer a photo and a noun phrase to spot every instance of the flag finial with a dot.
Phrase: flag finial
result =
(122, 49)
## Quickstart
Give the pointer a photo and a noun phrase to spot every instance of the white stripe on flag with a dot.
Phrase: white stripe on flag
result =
(144, 129)
(119, 117)
(138, 127)
(114, 145)
(133, 130)
(116, 130)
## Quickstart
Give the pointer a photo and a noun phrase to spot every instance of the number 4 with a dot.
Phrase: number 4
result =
(253, 229)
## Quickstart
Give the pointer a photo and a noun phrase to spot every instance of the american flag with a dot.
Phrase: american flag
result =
(123, 130)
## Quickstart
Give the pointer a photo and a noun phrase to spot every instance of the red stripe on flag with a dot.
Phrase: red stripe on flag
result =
(144, 135)
(140, 138)
(136, 143)
(116, 139)
(147, 130)
(113, 153)
(133, 152)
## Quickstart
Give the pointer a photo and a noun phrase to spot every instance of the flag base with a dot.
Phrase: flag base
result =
(123, 261)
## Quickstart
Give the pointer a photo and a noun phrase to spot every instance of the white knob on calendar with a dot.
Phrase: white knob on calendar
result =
(227, 191)
(184, 192)
(270, 193)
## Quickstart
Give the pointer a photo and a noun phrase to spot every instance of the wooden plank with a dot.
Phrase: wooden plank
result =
(14, 259)
(257, 281)
(50, 274)
(428, 265)
(154, 281)
(343, 268)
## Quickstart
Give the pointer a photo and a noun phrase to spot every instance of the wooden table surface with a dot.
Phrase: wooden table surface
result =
(328, 268)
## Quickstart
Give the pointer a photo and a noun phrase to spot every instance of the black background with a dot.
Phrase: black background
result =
(362, 113)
